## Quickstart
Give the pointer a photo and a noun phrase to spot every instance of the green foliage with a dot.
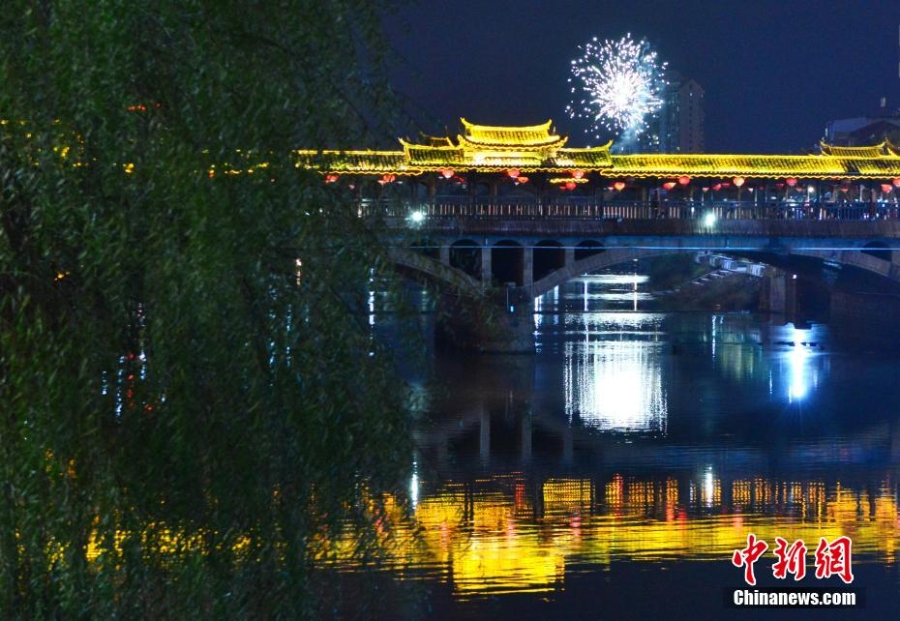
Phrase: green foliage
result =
(184, 419)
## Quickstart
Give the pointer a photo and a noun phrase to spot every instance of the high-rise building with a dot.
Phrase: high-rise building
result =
(679, 127)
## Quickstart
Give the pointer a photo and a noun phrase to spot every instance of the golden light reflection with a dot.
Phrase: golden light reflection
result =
(493, 537)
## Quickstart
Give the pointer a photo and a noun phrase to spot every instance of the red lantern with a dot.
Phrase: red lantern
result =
(738, 181)
(684, 180)
(791, 181)
(578, 174)
(619, 186)
(446, 172)
(886, 187)
(669, 185)
(513, 173)
(387, 178)
(521, 179)
(896, 182)
(331, 178)
(570, 185)
(717, 187)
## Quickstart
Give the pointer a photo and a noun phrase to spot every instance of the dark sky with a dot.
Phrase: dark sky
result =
(775, 72)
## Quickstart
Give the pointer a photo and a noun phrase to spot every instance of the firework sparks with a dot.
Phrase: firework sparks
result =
(616, 85)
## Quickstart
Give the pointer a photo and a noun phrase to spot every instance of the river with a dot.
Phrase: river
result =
(614, 474)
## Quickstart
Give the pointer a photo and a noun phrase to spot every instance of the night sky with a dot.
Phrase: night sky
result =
(774, 71)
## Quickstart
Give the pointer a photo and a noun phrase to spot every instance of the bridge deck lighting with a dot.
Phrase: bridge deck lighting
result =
(417, 217)
(709, 219)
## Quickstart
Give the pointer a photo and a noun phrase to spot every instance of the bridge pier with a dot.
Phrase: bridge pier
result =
(527, 266)
(778, 294)
(486, 265)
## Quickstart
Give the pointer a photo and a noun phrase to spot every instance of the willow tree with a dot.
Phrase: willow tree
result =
(189, 401)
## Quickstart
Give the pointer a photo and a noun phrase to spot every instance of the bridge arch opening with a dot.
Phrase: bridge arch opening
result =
(588, 248)
(426, 247)
(465, 255)
(508, 262)
(549, 256)
(879, 250)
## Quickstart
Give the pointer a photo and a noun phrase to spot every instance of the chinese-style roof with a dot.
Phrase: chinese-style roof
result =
(509, 137)
(873, 151)
(537, 148)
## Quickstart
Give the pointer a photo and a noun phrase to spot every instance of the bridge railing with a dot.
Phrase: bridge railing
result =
(589, 207)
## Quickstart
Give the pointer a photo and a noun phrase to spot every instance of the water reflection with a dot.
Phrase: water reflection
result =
(518, 533)
(627, 372)
(613, 376)
(639, 438)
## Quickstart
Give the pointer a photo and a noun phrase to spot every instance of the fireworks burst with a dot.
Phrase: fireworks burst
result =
(618, 84)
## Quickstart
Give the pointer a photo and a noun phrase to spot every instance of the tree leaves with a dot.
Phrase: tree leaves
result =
(171, 386)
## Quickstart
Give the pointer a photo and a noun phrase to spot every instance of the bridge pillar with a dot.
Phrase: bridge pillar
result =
(528, 266)
(486, 267)
(445, 254)
(778, 294)
(569, 256)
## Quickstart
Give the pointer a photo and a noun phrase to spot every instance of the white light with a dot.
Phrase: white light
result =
(414, 487)
(417, 217)
(709, 487)
(709, 219)
(799, 363)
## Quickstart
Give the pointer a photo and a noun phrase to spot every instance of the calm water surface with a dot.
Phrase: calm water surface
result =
(614, 474)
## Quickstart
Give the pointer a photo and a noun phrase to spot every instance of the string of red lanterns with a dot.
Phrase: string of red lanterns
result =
(618, 186)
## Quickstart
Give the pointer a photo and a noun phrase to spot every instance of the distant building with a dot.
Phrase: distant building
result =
(863, 131)
(679, 128)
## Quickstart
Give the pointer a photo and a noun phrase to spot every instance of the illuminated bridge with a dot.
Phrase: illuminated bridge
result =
(509, 213)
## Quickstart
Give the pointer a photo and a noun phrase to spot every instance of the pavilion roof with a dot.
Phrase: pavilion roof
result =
(509, 137)
(871, 151)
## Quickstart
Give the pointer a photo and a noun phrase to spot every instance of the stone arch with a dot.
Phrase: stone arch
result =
(592, 264)
(855, 258)
(410, 259)
(426, 247)
(465, 255)
(508, 262)
(549, 255)
(588, 248)
(878, 249)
